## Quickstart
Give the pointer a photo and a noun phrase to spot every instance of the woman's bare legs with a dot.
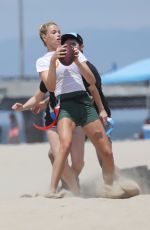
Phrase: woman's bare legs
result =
(68, 174)
(95, 131)
(65, 128)
(117, 171)
(77, 150)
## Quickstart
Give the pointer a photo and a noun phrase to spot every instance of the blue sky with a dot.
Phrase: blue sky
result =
(86, 16)
(74, 15)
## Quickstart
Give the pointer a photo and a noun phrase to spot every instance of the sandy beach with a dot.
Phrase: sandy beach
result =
(25, 169)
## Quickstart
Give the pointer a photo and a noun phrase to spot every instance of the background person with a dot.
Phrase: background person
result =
(1, 134)
(14, 130)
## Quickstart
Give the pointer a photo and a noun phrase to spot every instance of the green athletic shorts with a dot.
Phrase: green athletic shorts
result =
(78, 107)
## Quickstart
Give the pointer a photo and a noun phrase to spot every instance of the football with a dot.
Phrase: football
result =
(69, 57)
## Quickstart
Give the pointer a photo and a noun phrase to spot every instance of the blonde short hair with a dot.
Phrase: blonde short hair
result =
(43, 29)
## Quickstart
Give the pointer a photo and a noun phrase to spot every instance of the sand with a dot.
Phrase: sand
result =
(25, 169)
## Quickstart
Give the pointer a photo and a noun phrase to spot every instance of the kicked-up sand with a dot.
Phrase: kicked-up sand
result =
(25, 169)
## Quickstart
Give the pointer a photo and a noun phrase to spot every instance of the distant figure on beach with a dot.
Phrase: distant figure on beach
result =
(14, 131)
(145, 133)
(1, 132)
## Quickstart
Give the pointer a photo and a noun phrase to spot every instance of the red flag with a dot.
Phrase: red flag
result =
(44, 128)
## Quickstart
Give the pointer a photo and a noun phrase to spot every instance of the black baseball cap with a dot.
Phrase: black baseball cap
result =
(73, 35)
